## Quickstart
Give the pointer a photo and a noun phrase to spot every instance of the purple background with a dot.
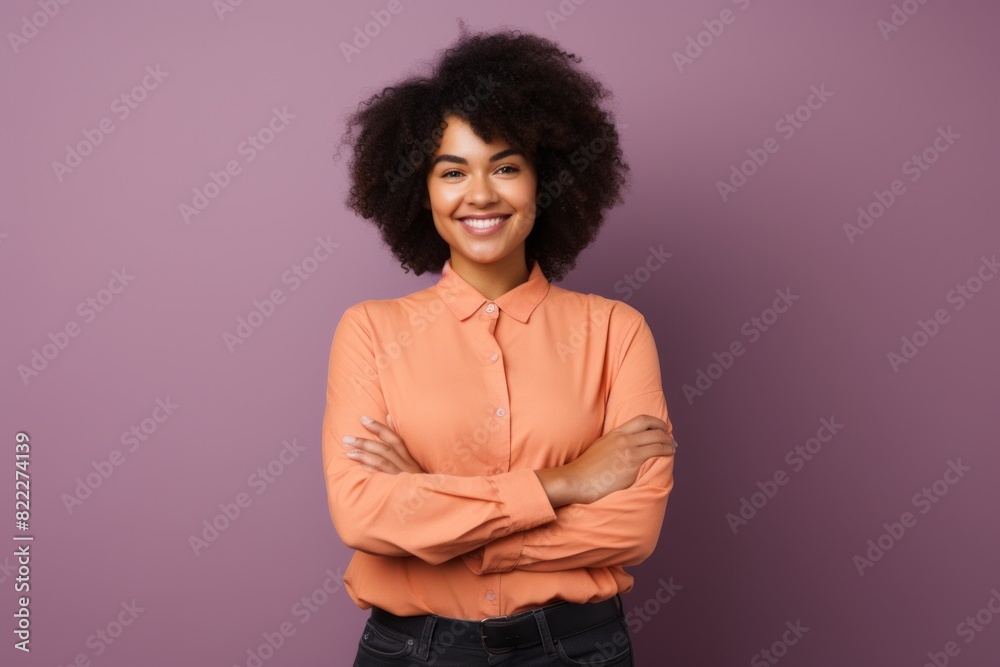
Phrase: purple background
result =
(162, 336)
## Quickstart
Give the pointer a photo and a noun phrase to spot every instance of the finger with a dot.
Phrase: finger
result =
(652, 436)
(368, 445)
(384, 453)
(373, 461)
(648, 444)
(666, 448)
(382, 431)
(669, 448)
(643, 422)
(647, 453)
(390, 438)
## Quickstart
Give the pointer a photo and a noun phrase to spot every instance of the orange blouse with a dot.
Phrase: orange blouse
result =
(483, 393)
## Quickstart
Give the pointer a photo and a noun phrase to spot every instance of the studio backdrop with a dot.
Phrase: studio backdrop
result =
(810, 231)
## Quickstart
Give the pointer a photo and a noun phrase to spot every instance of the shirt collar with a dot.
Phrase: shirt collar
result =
(463, 299)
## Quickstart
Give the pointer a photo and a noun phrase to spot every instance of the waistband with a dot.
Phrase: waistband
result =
(499, 634)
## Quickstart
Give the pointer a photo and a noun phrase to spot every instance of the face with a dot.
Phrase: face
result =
(482, 196)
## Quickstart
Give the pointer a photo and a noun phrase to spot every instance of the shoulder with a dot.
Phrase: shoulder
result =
(618, 316)
(374, 311)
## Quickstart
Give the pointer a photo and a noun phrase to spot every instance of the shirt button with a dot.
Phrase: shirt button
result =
(490, 308)
(491, 595)
(493, 357)
(501, 412)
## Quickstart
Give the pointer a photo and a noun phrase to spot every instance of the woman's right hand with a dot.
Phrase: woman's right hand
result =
(612, 462)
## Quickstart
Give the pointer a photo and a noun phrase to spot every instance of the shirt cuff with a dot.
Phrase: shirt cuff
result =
(501, 555)
(524, 498)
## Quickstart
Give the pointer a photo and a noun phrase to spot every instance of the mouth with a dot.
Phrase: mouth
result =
(484, 226)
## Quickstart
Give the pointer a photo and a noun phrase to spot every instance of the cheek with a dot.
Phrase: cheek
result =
(524, 197)
(519, 193)
(444, 201)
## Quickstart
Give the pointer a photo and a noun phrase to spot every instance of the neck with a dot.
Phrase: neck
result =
(495, 279)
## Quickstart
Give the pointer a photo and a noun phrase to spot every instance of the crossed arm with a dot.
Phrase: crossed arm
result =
(507, 520)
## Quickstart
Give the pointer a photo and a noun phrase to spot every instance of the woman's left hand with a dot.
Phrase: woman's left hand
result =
(389, 456)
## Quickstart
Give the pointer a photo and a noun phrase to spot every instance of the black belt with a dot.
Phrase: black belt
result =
(499, 634)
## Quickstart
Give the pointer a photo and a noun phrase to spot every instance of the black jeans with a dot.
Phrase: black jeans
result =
(418, 641)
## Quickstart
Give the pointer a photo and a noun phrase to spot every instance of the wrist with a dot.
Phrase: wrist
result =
(560, 485)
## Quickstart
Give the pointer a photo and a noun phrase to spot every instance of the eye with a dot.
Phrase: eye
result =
(454, 173)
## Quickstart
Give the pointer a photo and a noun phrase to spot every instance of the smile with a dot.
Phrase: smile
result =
(484, 226)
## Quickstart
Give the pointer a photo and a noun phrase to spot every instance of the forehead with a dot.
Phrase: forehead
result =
(458, 138)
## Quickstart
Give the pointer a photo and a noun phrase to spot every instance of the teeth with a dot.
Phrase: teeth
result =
(483, 224)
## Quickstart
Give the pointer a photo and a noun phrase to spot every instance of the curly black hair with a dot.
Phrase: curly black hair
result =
(521, 87)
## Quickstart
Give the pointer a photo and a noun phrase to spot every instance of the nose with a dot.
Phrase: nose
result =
(481, 192)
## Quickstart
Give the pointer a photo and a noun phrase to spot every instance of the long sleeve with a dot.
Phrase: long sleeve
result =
(431, 516)
(623, 527)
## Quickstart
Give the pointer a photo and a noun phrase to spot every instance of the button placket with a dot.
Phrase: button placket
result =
(489, 598)
(500, 453)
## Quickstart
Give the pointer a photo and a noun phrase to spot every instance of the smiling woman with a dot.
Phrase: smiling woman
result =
(482, 198)
(512, 90)
(497, 464)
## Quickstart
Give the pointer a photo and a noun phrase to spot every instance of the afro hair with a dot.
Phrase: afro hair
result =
(520, 87)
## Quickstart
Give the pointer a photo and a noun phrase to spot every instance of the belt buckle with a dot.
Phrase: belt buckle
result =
(482, 635)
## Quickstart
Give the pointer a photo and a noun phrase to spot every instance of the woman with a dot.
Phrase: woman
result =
(496, 448)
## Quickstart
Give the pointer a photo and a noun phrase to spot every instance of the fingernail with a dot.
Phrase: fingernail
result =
(349, 438)
(366, 420)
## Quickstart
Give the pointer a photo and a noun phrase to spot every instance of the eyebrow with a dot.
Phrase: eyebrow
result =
(461, 160)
